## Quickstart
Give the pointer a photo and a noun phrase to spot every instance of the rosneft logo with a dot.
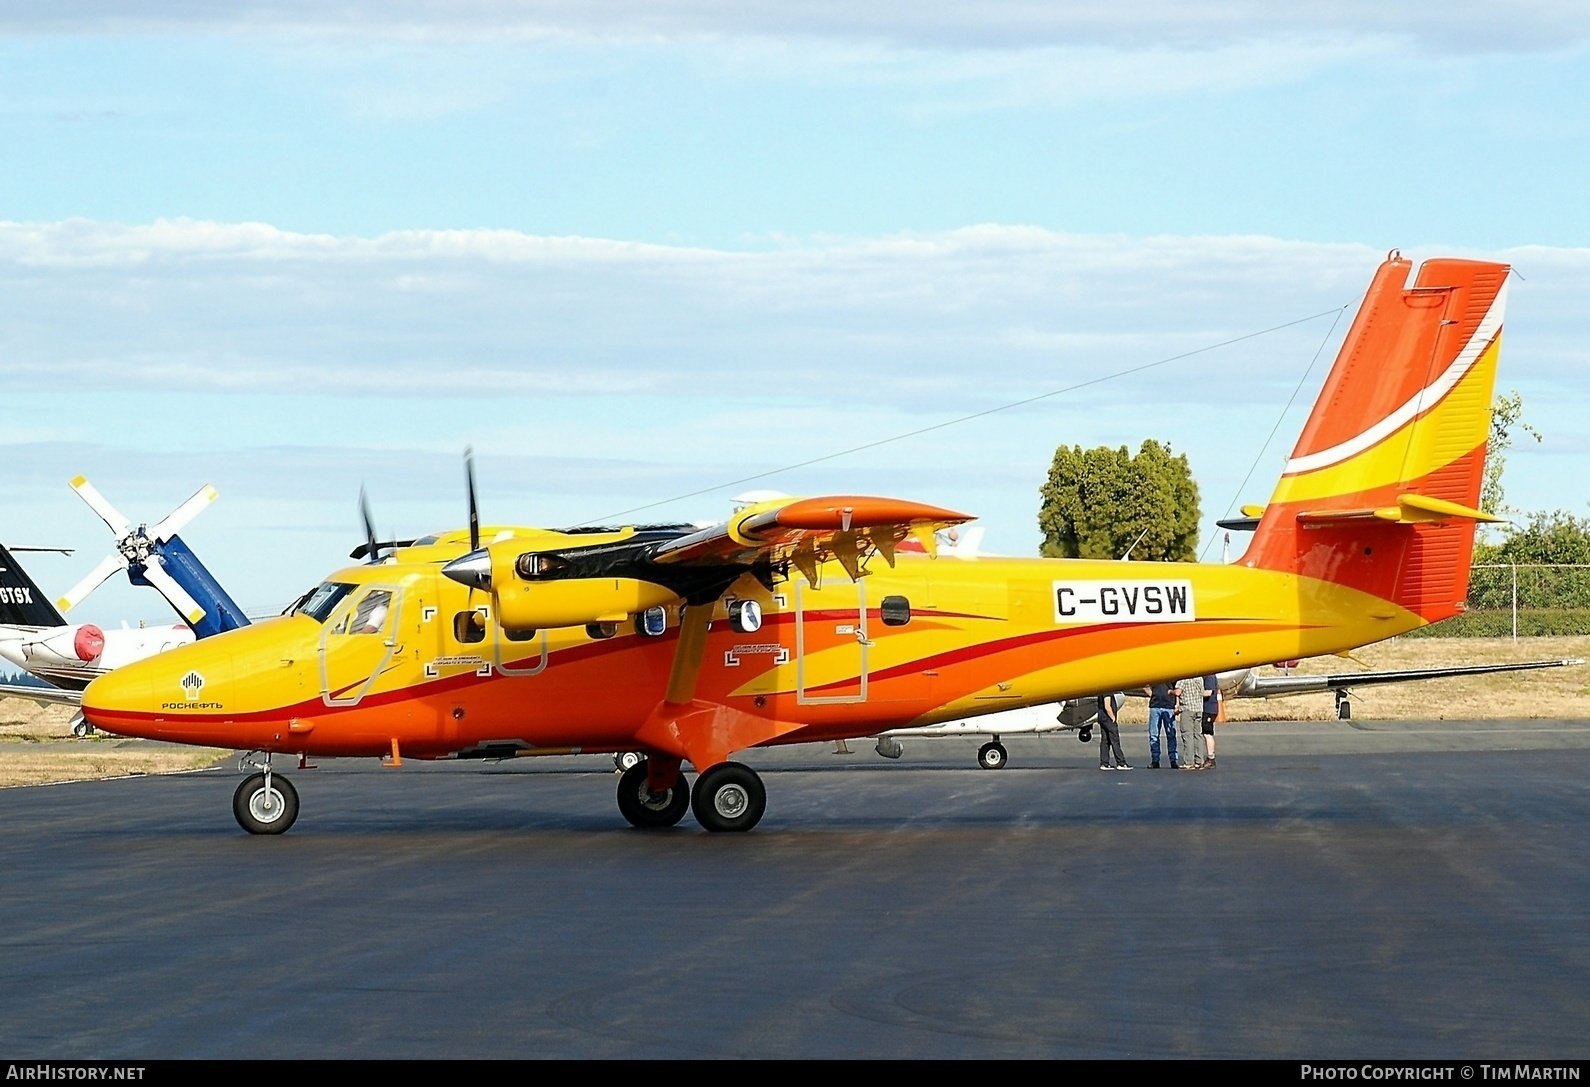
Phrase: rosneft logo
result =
(192, 684)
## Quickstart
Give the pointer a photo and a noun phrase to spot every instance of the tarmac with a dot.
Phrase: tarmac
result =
(1352, 891)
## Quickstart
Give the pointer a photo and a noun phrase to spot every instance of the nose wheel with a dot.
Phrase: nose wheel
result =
(265, 803)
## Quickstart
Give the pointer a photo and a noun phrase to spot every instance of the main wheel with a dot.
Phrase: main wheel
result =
(265, 811)
(646, 809)
(991, 756)
(1085, 734)
(627, 760)
(728, 796)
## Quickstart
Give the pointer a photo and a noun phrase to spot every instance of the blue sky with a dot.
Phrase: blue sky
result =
(645, 256)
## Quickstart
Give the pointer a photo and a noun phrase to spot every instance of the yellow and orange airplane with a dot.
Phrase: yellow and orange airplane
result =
(804, 619)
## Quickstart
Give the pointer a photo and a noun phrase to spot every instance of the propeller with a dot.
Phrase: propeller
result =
(371, 547)
(138, 549)
(474, 506)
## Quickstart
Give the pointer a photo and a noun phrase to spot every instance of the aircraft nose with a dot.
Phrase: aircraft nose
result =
(111, 701)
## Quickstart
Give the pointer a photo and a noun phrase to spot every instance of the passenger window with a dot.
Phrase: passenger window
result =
(519, 635)
(895, 611)
(469, 626)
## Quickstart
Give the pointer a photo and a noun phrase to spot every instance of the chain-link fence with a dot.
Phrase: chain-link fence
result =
(1522, 601)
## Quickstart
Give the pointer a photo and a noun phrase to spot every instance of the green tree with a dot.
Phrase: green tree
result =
(1555, 537)
(1507, 413)
(1099, 502)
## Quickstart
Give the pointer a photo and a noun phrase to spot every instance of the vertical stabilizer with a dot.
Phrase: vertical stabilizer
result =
(22, 603)
(1381, 492)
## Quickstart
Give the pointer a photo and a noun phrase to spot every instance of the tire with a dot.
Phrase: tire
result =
(627, 760)
(1085, 734)
(647, 810)
(728, 797)
(259, 811)
(992, 756)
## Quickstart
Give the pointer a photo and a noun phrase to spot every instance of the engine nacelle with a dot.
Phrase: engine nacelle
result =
(69, 646)
(531, 605)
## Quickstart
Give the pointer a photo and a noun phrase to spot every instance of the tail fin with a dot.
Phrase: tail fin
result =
(22, 603)
(1381, 492)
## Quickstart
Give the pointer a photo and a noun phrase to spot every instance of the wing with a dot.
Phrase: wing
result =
(43, 696)
(566, 579)
(1279, 686)
(807, 532)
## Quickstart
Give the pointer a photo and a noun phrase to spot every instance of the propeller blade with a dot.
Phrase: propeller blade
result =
(474, 506)
(155, 573)
(96, 502)
(369, 526)
(178, 518)
(96, 577)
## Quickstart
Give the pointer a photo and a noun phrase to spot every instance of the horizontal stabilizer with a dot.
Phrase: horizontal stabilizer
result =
(1411, 509)
(1247, 522)
(1278, 686)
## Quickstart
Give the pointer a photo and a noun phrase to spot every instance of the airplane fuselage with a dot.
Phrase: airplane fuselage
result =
(927, 641)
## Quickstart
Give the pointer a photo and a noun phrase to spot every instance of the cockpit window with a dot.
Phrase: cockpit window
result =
(323, 600)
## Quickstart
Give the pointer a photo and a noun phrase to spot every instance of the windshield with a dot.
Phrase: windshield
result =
(322, 600)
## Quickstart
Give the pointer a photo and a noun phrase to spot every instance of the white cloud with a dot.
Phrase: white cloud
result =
(1463, 25)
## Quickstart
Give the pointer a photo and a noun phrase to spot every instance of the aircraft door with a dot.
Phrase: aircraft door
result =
(831, 642)
(357, 643)
(515, 652)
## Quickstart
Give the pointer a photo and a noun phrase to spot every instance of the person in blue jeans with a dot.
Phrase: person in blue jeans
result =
(1161, 717)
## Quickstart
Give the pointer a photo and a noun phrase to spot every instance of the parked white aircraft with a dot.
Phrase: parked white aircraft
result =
(35, 637)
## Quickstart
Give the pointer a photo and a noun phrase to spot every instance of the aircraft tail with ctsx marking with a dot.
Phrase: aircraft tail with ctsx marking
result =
(22, 602)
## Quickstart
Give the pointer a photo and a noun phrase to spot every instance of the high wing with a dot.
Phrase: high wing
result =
(806, 532)
(563, 579)
(1256, 686)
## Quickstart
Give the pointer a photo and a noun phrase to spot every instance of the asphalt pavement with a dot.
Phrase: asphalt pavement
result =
(1342, 890)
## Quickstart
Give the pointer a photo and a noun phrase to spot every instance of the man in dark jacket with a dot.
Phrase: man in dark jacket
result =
(1161, 718)
(1110, 732)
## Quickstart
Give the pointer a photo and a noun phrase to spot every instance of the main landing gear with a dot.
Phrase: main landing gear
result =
(726, 797)
(992, 755)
